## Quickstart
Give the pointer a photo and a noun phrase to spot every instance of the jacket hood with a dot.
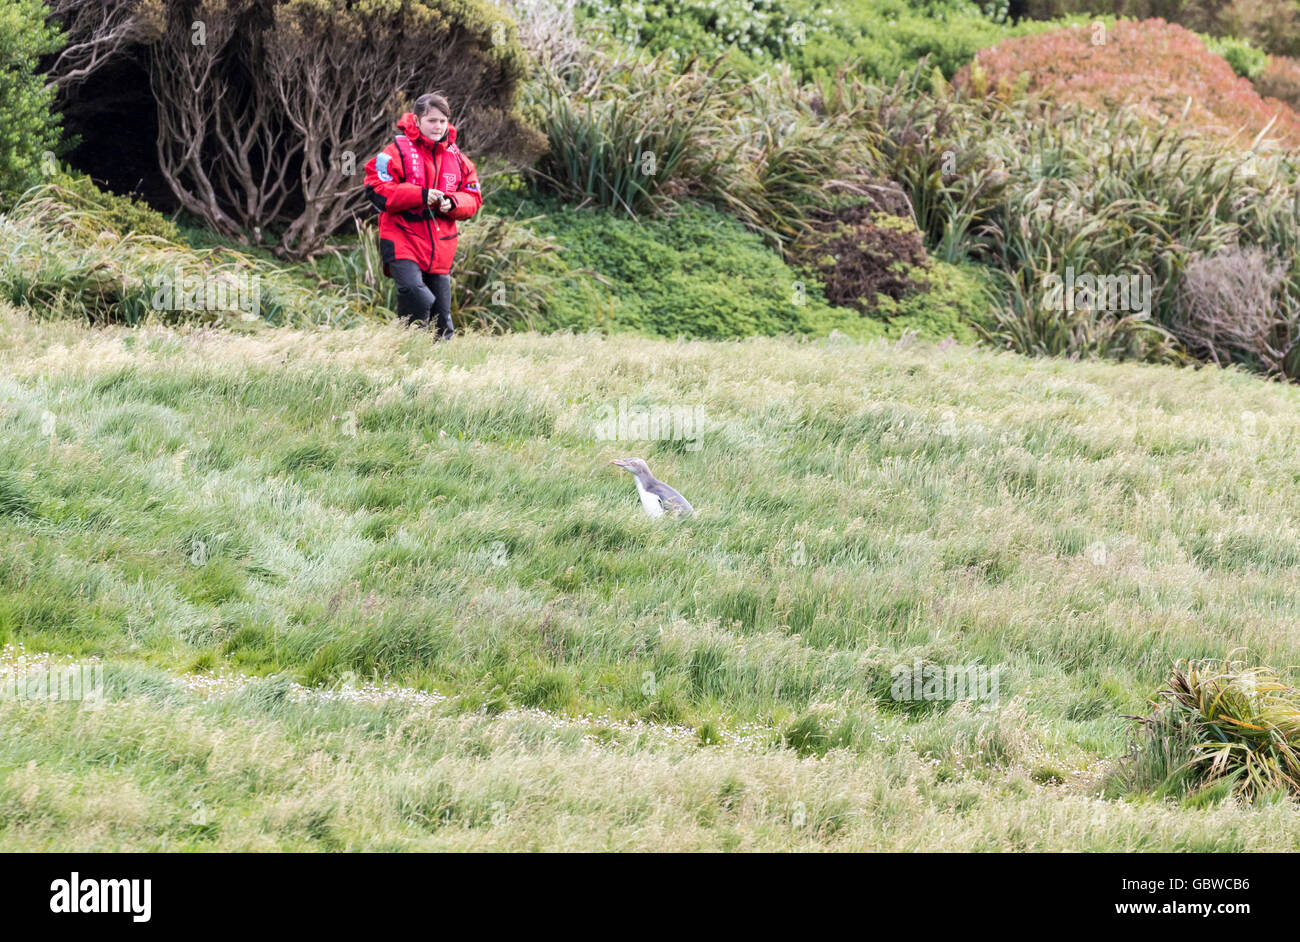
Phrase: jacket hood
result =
(409, 126)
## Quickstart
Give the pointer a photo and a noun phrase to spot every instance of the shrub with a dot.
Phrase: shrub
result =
(953, 300)
(642, 135)
(861, 254)
(1280, 80)
(1232, 308)
(763, 30)
(633, 139)
(880, 37)
(1245, 59)
(790, 158)
(942, 155)
(1111, 197)
(1217, 722)
(122, 213)
(1177, 75)
(27, 127)
(1270, 25)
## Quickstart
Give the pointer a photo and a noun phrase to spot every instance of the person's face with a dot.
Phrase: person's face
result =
(433, 125)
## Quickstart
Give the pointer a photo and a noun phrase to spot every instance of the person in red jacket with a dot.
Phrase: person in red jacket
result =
(422, 184)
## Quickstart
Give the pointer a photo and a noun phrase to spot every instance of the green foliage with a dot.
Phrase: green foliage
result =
(883, 37)
(759, 30)
(1246, 60)
(28, 130)
(122, 213)
(1270, 25)
(643, 132)
(696, 273)
(1217, 724)
(954, 300)
(1115, 197)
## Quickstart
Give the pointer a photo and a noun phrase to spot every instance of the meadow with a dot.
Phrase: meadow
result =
(352, 590)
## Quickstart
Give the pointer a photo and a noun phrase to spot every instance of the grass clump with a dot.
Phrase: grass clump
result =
(1217, 727)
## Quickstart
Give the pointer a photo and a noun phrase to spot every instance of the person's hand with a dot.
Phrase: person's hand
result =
(446, 205)
(434, 198)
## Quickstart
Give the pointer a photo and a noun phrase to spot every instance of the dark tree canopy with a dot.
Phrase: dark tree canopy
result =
(265, 111)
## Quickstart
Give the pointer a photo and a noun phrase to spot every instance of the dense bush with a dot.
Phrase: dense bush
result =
(1281, 80)
(1174, 68)
(640, 135)
(860, 254)
(1113, 197)
(1246, 60)
(944, 155)
(121, 213)
(1028, 187)
(27, 128)
(1270, 25)
(882, 37)
(1273, 25)
(636, 136)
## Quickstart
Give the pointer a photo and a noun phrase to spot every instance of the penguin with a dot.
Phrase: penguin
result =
(656, 497)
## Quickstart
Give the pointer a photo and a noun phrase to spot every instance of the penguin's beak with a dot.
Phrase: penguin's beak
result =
(619, 462)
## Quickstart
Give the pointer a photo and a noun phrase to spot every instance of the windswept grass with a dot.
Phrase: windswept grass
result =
(64, 255)
(364, 505)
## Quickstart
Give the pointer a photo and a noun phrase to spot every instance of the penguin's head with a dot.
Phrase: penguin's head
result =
(638, 467)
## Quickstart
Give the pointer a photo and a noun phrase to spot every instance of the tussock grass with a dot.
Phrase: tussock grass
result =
(1218, 726)
(321, 505)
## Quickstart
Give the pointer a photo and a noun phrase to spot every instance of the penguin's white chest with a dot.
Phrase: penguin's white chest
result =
(649, 501)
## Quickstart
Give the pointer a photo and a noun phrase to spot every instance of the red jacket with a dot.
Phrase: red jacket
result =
(407, 227)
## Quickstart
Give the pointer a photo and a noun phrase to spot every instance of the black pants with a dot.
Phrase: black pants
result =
(420, 295)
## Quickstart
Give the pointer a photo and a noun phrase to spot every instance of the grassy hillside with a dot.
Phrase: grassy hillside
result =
(496, 649)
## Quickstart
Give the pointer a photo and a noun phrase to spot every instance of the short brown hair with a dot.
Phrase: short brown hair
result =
(432, 102)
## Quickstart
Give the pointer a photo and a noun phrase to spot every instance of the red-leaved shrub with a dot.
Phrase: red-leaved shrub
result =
(1153, 67)
(861, 253)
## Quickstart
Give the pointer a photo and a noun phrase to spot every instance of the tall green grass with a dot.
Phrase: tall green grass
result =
(63, 255)
(364, 504)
